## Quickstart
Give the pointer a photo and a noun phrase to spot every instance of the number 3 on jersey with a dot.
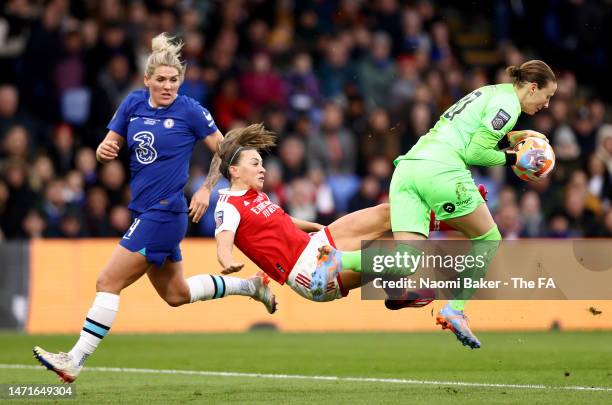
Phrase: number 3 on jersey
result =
(145, 152)
(461, 104)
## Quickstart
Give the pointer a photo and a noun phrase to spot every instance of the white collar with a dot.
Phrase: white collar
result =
(152, 106)
(235, 193)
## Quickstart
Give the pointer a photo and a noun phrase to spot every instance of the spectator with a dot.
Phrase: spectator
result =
(531, 215)
(54, 207)
(336, 71)
(367, 196)
(262, 85)
(112, 178)
(194, 85)
(96, 209)
(42, 173)
(62, 152)
(508, 221)
(376, 73)
(85, 162)
(16, 143)
(378, 140)
(21, 197)
(404, 84)
(301, 199)
(293, 158)
(324, 200)
(33, 225)
(119, 220)
(582, 221)
(333, 148)
(229, 106)
(302, 86)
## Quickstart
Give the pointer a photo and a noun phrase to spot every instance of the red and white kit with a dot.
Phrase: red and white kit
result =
(266, 235)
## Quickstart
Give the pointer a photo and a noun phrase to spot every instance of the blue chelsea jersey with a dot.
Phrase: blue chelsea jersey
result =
(160, 143)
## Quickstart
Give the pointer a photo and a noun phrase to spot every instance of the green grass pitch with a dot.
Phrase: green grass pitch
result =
(550, 361)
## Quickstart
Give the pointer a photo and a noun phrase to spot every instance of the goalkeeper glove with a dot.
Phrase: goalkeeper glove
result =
(515, 137)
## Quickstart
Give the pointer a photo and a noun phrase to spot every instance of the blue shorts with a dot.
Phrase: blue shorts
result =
(156, 235)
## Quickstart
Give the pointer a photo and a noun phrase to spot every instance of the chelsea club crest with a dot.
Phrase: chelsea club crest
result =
(169, 123)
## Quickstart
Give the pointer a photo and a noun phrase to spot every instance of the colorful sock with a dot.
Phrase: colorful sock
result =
(352, 260)
(205, 287)
(99, 320)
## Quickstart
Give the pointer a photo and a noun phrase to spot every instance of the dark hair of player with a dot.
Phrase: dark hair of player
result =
(254, 136)
(533, 71)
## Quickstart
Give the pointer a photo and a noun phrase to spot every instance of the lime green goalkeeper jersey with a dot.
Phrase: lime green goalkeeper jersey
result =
(468, 132)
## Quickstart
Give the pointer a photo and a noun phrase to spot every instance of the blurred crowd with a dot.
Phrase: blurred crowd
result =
(348, 85)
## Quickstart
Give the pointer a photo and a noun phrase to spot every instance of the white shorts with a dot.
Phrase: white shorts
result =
(301, 273)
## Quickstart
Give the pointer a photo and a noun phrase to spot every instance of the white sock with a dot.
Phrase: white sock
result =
(99, 320)
(206, 287)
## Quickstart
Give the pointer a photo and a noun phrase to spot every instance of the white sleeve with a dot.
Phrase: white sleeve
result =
(227, 218)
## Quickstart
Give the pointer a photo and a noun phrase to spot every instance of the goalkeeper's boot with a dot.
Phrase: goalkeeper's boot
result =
(329, 264)
(263, 293)
(411, 299)
(457, 322)
(61, 364)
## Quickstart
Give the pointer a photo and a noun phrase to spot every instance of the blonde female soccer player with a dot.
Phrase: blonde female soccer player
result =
(160, 129)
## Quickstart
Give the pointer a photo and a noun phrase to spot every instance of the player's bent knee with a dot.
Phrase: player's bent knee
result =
(176, 300)
(104, 283)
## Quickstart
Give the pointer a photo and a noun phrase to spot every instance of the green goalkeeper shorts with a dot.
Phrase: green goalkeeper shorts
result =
(418, 186)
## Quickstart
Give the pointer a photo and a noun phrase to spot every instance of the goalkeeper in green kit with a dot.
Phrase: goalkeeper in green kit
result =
(467, 135)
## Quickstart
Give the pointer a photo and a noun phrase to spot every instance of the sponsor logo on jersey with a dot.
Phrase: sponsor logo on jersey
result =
(169, 123)
(246, 203)
(460, 190)
(449, 207)
(150, 121)
(145, 152)
(500, 119)
(463, 198)
(133, 118)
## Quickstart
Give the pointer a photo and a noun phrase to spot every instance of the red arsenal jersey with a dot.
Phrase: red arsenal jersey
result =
(263, 231)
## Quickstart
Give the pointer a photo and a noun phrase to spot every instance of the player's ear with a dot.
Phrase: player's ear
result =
(533, 86)
(146, 81)
(233, 171)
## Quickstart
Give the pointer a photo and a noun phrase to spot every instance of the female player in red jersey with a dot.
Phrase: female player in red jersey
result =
(287, 249)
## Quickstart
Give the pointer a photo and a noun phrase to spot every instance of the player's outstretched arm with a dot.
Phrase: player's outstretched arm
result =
(109, 148)
(225, 244)
(306, 226)
(201, 198)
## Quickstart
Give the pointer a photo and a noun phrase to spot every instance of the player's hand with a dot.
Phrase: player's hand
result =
(232, 268)
(107, 151)
(531, 159)
(515, 137)
(199, 204)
